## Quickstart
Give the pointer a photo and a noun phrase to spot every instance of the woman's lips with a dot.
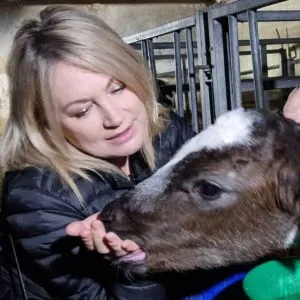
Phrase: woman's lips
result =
(122, 137)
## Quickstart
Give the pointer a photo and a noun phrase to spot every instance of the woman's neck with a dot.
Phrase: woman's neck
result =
(122, 163)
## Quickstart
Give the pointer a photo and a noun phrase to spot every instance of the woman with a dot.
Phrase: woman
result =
(84, 127)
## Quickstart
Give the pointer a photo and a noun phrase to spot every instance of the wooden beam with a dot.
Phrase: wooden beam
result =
(48, 2)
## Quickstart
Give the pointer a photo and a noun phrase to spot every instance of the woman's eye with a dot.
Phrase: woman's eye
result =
(82, 113)
(208, 191)
(117, 88)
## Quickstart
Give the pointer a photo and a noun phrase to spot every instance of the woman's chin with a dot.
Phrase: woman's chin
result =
(130, 148)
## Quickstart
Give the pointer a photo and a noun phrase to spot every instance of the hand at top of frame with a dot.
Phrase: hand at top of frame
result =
(291, 108)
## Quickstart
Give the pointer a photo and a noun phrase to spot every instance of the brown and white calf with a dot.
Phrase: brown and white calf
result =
(230, 195)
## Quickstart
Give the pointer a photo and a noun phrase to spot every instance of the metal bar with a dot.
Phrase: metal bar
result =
(235, 62)
(290, 68)
(272, 16)
(217, 59)
(205, 68)
(151, 58)
(295, 61)
(228, 63)
(185, 80)
(256, 60)
(272, 41)
(275, 67)
(272, 83)
(169, 45)
(192, 79)
(178, 74)
(284, 65)
(185, 86)
(144, 50)
(202, 50)
(161, 30)
(239, 6)
(264, 60)
(163, 45)
(151, 62)
(169, 56)
(267, 98)
(271, 51)
(184, 56)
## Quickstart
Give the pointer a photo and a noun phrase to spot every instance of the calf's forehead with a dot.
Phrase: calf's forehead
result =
(233, 128)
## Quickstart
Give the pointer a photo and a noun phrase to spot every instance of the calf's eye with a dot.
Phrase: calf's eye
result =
(208, 191)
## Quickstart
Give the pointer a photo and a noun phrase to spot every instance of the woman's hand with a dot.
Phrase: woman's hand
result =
(291, 108)
(94, 236)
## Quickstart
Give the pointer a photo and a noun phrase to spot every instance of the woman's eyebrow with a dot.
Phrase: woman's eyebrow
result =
(110, 81)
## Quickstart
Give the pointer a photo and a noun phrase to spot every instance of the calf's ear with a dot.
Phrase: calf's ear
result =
(288, 189)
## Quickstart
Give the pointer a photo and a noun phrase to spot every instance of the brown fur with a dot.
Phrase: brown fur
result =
(257, 207)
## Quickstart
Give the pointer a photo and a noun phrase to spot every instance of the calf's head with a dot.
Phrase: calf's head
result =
(230, 195)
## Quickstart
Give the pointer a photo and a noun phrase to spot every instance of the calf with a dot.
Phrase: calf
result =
(230, 195)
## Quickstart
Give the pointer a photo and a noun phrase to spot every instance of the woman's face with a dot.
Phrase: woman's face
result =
(99, 115)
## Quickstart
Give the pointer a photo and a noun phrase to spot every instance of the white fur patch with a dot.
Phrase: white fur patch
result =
(291, 237)
(232, 128)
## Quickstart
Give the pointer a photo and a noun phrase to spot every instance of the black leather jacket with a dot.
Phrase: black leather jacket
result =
(37, 207)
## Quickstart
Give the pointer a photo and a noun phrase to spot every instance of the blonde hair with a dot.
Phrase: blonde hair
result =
(33, 134)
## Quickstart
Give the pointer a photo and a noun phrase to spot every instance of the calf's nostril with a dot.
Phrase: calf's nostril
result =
(106, 216)
(112, 212)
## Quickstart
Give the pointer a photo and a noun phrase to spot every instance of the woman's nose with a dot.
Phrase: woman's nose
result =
(112, 116)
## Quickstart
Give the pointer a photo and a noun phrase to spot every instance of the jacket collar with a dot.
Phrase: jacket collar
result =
(139, 170)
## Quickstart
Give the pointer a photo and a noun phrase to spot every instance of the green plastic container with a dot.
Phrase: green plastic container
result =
(274, 280)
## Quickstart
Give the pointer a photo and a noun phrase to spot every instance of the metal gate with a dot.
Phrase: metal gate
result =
(205, 51)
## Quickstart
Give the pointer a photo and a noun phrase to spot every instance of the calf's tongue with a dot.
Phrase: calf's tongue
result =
(135, 256)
